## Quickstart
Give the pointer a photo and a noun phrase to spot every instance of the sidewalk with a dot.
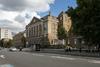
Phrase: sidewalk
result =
(62, 51)
(74, 53)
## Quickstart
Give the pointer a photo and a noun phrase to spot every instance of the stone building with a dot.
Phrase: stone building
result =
(42, 31)
(65, 21)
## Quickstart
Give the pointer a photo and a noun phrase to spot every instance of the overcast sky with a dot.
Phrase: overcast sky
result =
(16, 14)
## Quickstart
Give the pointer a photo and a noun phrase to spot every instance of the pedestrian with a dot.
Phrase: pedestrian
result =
(20, 49)
(80, 50)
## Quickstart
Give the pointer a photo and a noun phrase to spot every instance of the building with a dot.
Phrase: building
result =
(65, 21)
(19, 40)
(5, 33)
(43, 31)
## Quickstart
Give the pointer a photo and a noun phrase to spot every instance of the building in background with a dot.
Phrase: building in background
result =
(5, 34)
(65, 21)
(19, 40)
(42, 31)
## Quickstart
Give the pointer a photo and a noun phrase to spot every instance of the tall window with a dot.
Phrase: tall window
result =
(45, 28)
(54, 28)
(33, 30)
(40, 29)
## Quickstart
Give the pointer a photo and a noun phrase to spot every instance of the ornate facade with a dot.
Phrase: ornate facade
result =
(44, 31)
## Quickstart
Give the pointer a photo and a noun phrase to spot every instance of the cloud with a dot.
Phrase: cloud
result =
(20, 19)
(13, 5)
(20, 5)
(10, 25)
(16, 14)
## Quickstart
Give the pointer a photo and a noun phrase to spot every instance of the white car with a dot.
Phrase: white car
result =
(13, 49)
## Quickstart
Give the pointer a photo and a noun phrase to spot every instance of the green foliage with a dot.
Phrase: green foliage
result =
(23, 40)
(86, 20)
(1, 43)
(6, 44)
(9, 44)
(61, 33)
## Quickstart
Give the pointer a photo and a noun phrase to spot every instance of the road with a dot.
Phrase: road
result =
(26, 59)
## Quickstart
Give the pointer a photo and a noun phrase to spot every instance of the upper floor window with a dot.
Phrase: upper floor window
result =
(61, 18)
(45, 27)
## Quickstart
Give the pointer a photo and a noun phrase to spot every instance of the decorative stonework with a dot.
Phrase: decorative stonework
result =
(44, 31)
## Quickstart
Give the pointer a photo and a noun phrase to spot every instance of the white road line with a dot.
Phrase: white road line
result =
(6, 65)
(57, 57)
(66, 58)
(38, 55)
(94, 61)
(2, 56)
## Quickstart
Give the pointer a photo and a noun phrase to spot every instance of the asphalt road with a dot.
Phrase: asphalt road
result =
(25, 59)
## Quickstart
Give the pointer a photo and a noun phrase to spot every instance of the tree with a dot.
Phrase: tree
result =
(23, 40)
(61, 33)
(1, 43)
(9, 43)
(86, 20)
(6, 43)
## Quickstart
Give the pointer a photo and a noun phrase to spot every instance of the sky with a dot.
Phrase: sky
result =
(16, 14)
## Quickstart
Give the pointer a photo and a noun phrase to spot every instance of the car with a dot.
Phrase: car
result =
(13, 49)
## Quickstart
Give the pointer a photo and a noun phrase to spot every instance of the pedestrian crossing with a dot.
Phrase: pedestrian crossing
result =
(59, 57)
(2, 56)
(94, 61)
(68, 58)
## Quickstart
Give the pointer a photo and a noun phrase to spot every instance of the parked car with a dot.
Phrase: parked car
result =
(13, 49)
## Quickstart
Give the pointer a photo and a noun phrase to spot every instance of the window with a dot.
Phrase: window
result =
(39, 30)
(61, 18)
(45, 28)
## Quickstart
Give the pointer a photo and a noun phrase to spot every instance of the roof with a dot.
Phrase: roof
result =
(34, 20)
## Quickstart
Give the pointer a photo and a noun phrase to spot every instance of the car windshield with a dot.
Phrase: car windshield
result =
(49, 33)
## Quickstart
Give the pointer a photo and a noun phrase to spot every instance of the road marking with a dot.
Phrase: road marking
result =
(66, 58)
(2, 56)
(38, 55)
(6, 65)
(94, 61)
(57, 57)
